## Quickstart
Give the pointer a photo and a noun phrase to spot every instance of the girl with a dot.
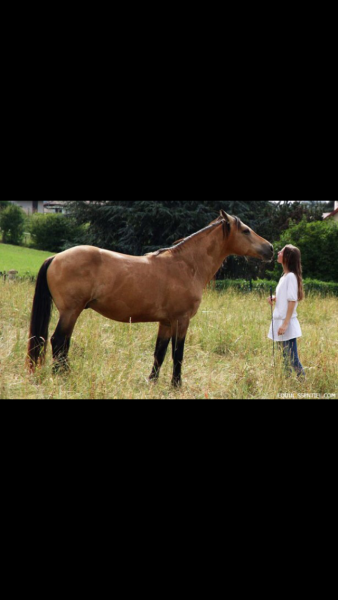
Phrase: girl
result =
(286, 328)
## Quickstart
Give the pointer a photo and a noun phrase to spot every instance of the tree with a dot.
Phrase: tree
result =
(318, 243)
(295, 211)
(328, 206)
(12, 223)
(4, 204)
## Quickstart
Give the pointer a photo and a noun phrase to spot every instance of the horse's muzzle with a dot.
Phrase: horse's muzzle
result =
(268, 253)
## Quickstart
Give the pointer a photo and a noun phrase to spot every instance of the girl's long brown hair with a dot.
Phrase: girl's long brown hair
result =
(292, 260)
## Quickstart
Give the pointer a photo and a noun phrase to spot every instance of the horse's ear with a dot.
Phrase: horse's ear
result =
(225, 216)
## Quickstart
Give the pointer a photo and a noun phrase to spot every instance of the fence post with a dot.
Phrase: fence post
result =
(12, 275)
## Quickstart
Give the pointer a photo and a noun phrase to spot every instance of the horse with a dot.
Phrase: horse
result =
(164, 286)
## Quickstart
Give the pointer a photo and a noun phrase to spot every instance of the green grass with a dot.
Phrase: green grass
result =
(227, 355)
(24, 260)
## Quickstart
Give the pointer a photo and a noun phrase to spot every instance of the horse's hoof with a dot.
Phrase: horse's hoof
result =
(154, 376)
(61, 368)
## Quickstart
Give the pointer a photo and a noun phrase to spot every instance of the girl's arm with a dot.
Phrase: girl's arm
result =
(291, 310)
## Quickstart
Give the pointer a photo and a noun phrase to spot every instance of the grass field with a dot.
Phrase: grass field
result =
(24, 260)
(228, 354)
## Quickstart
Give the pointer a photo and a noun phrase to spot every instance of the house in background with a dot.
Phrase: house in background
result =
(334, 214)
(55, 206)
(30, 206)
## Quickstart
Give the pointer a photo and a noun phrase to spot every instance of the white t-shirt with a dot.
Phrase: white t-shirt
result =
(287, 291)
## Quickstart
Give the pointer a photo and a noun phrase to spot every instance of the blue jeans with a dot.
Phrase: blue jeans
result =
(291, 358)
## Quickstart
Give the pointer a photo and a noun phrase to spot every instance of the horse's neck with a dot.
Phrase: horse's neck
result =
(205, 252)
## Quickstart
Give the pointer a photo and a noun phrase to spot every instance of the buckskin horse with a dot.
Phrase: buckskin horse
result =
(165, 286)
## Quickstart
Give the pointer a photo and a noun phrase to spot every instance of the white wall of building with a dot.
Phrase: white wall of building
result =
(30, 206)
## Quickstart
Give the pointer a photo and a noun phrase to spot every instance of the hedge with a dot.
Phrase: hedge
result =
(263, 286)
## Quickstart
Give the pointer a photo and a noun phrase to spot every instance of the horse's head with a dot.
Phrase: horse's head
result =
(243, 241)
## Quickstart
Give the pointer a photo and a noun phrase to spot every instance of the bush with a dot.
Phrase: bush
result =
(12, 223)
(54, 232)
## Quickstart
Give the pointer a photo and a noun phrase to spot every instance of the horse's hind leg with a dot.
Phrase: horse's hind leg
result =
(178, 341)
(61, 340)
(162, 344)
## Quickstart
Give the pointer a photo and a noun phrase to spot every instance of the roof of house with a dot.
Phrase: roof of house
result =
(54, 202)
(332, 214)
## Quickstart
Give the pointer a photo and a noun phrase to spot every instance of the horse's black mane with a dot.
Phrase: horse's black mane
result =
(218, 221)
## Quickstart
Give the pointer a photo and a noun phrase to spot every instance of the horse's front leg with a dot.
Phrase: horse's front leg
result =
(162, 344)
(180, 329)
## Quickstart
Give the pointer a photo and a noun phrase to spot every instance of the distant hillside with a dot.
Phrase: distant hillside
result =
(24, 260)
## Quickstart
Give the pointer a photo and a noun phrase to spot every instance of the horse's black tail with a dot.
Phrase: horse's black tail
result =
(41, 314)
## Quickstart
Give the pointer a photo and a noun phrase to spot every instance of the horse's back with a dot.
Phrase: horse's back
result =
(81, 274)
(91, 257)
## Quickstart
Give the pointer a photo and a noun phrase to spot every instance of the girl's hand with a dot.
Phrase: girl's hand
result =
(282, 330)
(272, 300)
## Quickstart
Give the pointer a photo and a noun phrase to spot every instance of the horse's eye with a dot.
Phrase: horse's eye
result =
(246, 231)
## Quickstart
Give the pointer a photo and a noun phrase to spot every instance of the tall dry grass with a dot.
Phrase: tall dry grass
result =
(227, 354)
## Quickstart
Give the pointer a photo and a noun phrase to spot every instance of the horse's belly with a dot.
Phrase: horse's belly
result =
(145, 301)
(119, 311)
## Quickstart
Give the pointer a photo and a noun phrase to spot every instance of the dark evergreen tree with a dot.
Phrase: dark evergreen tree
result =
(295, 211)
(140, 226)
